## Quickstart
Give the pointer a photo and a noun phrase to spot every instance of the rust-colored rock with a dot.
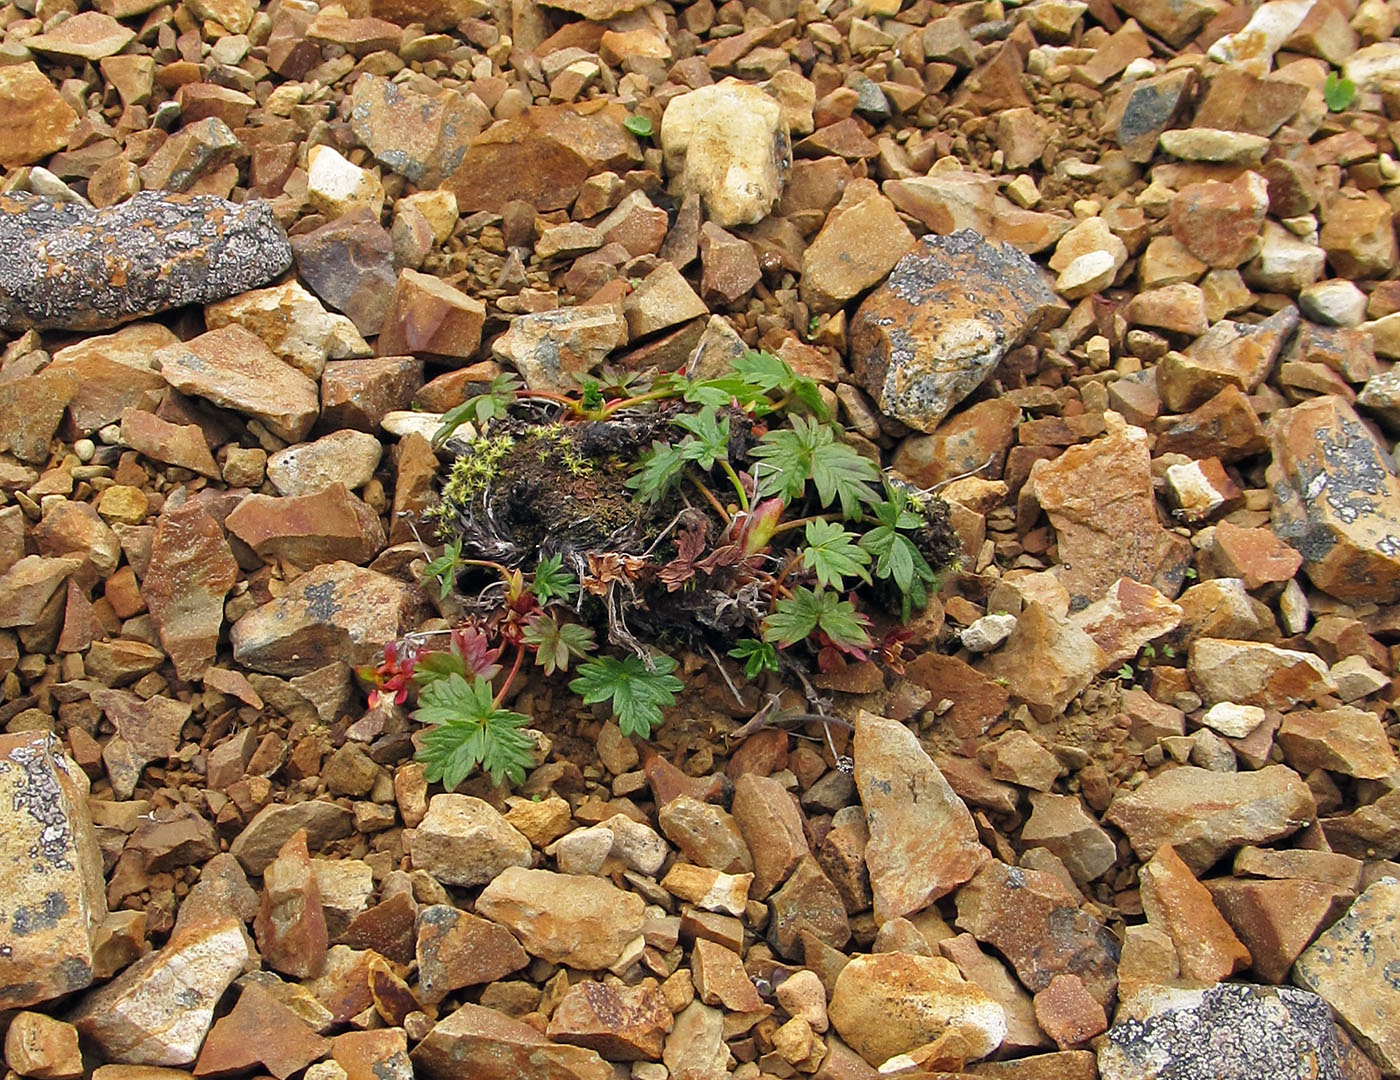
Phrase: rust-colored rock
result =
(290, 924)
(190, 572)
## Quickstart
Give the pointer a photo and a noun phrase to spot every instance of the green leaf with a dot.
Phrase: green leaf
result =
(796, 617)
(833, 556)
(758, 656)
(1338, 92)
(660, 467)
(556, 644)
(810, 451)
(638, 695)
(551, 581)
(774, 375)
(468, 730)
(483, 408)
(444, 569)
(708, 440)
(639, 126)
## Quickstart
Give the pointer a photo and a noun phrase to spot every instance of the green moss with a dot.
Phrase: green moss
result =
(472, 473)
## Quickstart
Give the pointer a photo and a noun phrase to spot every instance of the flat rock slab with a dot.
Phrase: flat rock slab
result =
(64, 266)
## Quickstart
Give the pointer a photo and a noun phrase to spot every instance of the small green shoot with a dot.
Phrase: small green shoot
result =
(758, 656)
(551, 581)
(805, 612)
(557, 644)
(444, 569)
(639, 126)
(1338, 92)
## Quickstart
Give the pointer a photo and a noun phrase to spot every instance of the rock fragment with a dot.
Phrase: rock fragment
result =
(55, 899)
(173, 250)
(464, 841)
(585, 923)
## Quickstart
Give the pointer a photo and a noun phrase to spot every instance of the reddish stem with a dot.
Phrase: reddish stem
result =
(514, 670)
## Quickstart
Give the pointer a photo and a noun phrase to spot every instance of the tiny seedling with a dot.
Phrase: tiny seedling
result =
(1338, 92)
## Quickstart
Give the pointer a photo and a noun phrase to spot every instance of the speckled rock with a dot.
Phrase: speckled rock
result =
(1352, 965)
(1230, 1030)
(66, 267)
(464, 841)
(584, 922)
(158, 1011)
(488, 1045)
(1336, 500)
(950, 310)
(54, 897)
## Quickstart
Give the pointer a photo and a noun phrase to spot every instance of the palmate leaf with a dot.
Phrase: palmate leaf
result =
(444, 568)
(638, 695)
(468, 730)
(708, 440)
(557, 644)
(809, 451)
(660, 467)
(796, 617)
(832, 554)
(551, 581)
(774, 375)
(482, 408)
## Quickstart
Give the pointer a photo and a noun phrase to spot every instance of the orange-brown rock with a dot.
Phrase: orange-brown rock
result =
(426, 315)
(291, 926)
(1173, 900)
(457, 949)
(492, 1046)
(259, 1031)
(190, 572)
(37, 119)
(1277, 920)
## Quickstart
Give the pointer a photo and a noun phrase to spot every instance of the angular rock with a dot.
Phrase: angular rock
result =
(1175, 902)
(706, 834)
(456, 949)
(421, 137)
(727, 144)
(771, 824)
(148, 729)
(293, 324)
(361, 394)
(1253, 673)
(158, 1011)
(90, 36)
(923, 843)
(342, 457)
(1229, 354)
(173, 250)
(1351, 967)
(550, 348)
(492, 1046)
(1203, 814)
(464, 841)
(620, 1023)
(1099, 498)
(307, 530)
(54, 899)
(1277, 920)
(426, 315)
(191, 570)
(1034, 921)
(182, 445)
(37, 118)
(260, 1030)
(290, 926)
(661, 300)
(585, 923)
(335, 612)
(1348, 741)
(1336, 500)
(1220, 223)
(1129, 616)
(860, 243)
(542, 157)
(949, 312)
(1060, 824)
(808, 905)
(349, 264)
(263, 837)
(43, 1048)
(232, 368)
(889, 1003)
(1046, 662)
(1233, 1029)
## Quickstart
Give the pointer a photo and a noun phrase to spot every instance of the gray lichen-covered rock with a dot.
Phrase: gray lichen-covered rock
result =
(948, 313)
(1230, 1030)
(64, 266)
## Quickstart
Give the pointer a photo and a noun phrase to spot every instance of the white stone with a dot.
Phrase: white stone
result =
(1293, 608)
(1089, 273)
(294, 324)
(342, 457)
(986, 633)
(1333, 303)
(1269, 27)
(1231, 720)
(583, 851)
(1370, 66)
(404, 422)
(1284, 263)
(1193, 495)
(1357, 679)
(335, 185)
(726, 143)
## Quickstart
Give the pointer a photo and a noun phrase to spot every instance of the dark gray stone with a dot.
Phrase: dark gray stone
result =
(64, 266)
(1233, 1031)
